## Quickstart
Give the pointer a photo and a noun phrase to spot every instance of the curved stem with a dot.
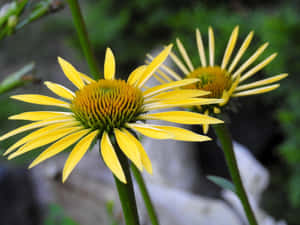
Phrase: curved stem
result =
(83, 37)
(147, 200)
(224, 137)
(126, 191)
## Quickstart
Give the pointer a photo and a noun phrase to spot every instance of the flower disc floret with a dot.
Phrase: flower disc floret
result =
(212, 79)
(107, 104)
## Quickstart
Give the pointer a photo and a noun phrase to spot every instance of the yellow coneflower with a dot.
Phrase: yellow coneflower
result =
(223, 80)
(111, 110)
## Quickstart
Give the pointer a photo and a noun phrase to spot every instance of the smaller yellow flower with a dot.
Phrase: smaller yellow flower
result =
(224, 80)
(108, 109)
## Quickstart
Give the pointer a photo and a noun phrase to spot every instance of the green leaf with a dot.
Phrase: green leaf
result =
(222, 182)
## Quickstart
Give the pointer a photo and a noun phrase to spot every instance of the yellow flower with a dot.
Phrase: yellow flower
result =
(223, 80)
(109, 109)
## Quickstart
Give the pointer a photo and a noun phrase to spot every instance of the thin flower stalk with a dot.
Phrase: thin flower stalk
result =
(84, 38)
(225, 139)
(145, 194)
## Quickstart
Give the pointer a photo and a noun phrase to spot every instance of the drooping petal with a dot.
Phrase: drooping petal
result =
(157, 61)
(71, 73)
(181, 134)
(205, 127)
(109, 65)
(144, 157)
(60, 90)
(59, 146)
(41, 100)
(200, 48)
(77, 153)
(244, 66)
(256, 90)
(211, 43)
(136, 74)
(241, 51)
(230, 47)
(39, 115)
(150, 131)
(184, 54)
(33, 126)
(45, 139)
(37, 134)
(129, 148)
(163, 87)
(110, 158)
(262, 82)
(258, 67)
(182, 117)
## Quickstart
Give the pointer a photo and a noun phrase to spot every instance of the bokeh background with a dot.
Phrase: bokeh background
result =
(269, 124)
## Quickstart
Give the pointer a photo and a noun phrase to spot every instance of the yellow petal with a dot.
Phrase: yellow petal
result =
(71, 73)
(171, 72)
(45, 139)
(164, 104)
(183, 117)
(262, 82)
(200, 48)
(109, 65)
(230, 47)
(258, 67)
(150, 131)
(180, 65)
(33, 126)
(77, 153)
(39, 115)
(184, 54)
(163, 87)
(256, 91)
(60, 90)
(211, 43)
(41, 100)
(160, 80)
(129, 148)
(241, 51)
(86, 78)
(165, 76)
(180, 94)
(136, 74)
(181, 134)
(110, 158)
(158, 60)
(58, 147)
(37, 134)
(205, 127)
(244, 66)
(144, 157)
(227, 94)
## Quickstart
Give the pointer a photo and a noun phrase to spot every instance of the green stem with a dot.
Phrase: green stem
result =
(83, 38)
(224, 137)
(126, 191)
(147, 200)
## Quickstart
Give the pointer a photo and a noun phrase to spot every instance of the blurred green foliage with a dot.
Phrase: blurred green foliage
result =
(57, 216)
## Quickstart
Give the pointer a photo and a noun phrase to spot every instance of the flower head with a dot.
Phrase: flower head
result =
(109, 109)
(223, 80)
